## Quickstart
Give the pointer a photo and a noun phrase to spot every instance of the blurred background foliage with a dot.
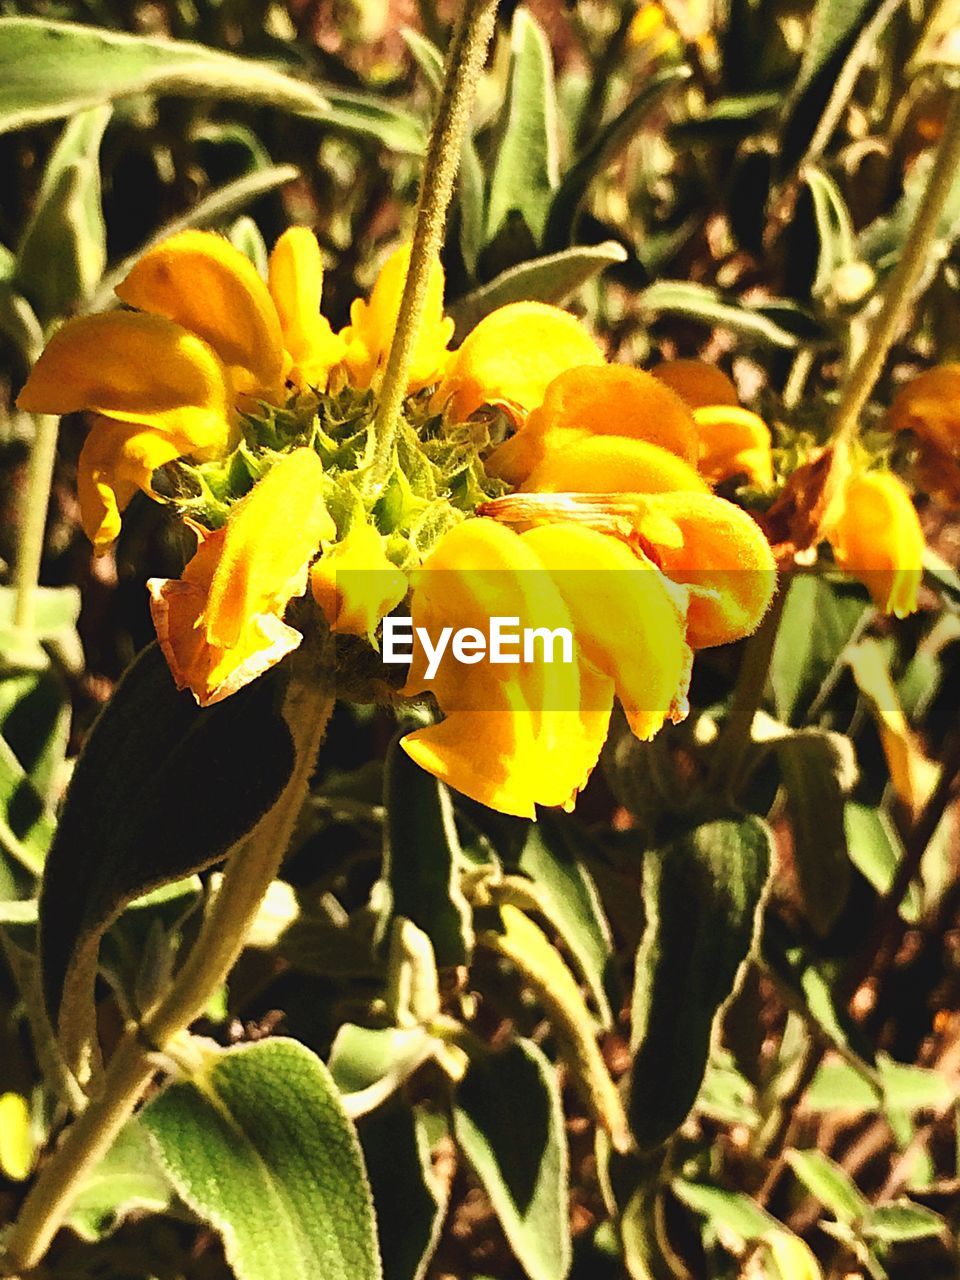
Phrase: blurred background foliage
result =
(730, 181)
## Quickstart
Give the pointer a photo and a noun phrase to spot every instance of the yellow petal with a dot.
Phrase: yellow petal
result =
(610, 464)
(17, 1147)
(930, 407)
(515, 735)
(876, 535)
(296, 284)
(696, 383)
(210, 671)
(612, 400)
(355, 584)
(511, 357)
(723, 557)
(734, 442)
(792, 1257)
(116, 460)
(373, 323)
(629, 621)
(202, 282)
(271, 537)
(135, 368)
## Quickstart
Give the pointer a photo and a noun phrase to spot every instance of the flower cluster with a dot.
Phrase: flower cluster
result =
(531, 479)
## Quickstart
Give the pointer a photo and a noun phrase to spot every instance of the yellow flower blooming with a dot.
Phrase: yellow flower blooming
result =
(876, 535)
(372, 324)
(511, 357)
(295, 280)
(355, 584)
(221, 624)
(518, 736)
(610, 400)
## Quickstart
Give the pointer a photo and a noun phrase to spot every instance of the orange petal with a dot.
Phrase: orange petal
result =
(876, 535)
(296, 283)
(722, 556)
(270, 538)
(610, 464)
(734, 442)
(202, 282)
(930, 406)
(135, 368)
(696, 383)
(511, 357)
(612, 400)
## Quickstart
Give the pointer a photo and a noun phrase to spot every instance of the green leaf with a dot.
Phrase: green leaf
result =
(259, 1147)
(524, 175)
(836, 39)
(818, 771)
(128, 1178)
(882, 242)
(370, 1063)
(509, 1124)
(876, 851)
(702, 894)
(53, 69)
(805, 656)
(902, 1221)
(422, 860)
(52, 632)
(63, 250)
(26, 824)
(776, 322)
(562, 890)
(161, 789)
(727, 1212)
(409, 1198)
(837, 1086)
(35, 721)
(828, 1183)
(602, 151)
(728, 119)
(212, 211)
(550, 279)
(427, 57)
(373, 117)
(834, 227)
(19, 322)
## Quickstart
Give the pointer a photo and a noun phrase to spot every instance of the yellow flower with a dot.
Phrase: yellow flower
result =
(876, 535)
(611, 464)
(370, 332)
(355, 584)
(734, 442)
(651, 32)
(518, 736)
(165, 380)
(610, 400)
(511, 357)
(221, 624)
(930, 407)
(696, 383)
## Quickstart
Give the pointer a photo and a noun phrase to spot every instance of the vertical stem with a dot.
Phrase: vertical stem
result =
(247, 877)
(898, 295)
(465, 59)
(33, 518)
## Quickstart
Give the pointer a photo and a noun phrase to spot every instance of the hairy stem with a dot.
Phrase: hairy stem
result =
(248, 875)
(465, 59)
(33, 518)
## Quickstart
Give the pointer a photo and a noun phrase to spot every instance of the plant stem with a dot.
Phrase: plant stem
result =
(901, 286)
(33, 520)
(736, 736)
(465, 59)
(248, 875)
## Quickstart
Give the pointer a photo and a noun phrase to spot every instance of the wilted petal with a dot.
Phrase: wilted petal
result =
(135, 368)
(202, 282)
(511, 357)
(296, 284)
(611, 400)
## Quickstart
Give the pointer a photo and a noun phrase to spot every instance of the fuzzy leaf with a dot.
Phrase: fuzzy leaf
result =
(128, 1178)
(805, 656)
(702, 893)
(777, 322)
(259, 1147)
(900, 1222)
(828, 1183)
(876, 850)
